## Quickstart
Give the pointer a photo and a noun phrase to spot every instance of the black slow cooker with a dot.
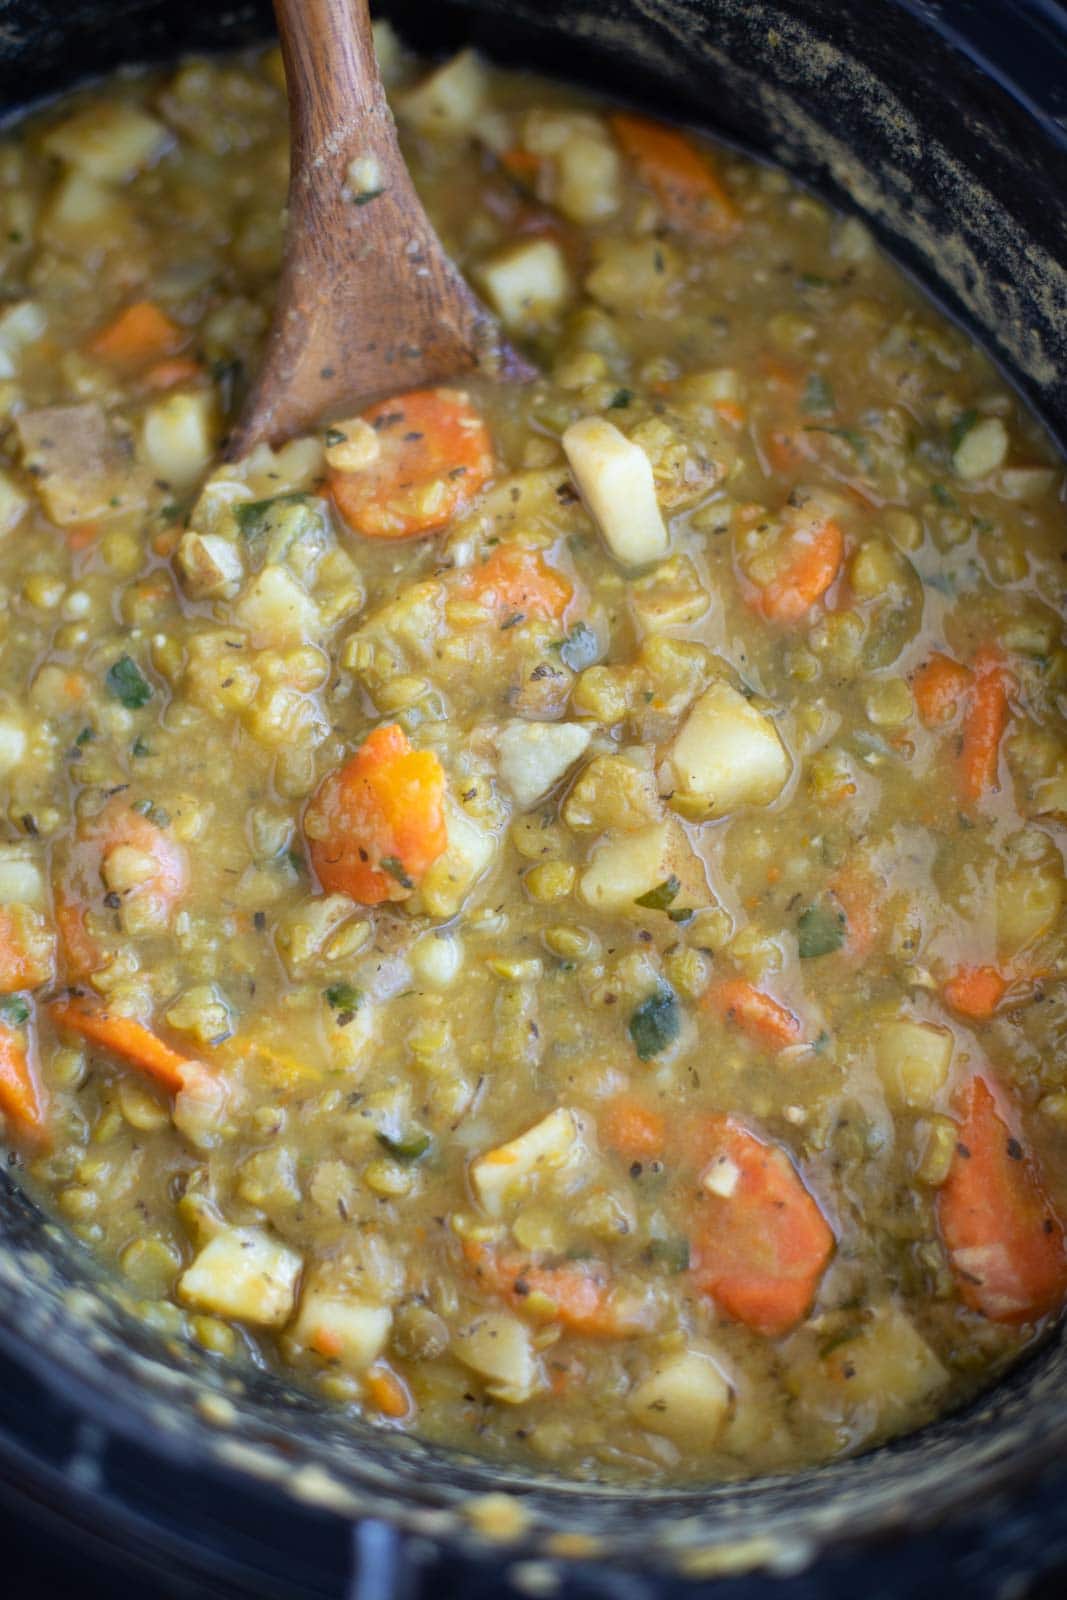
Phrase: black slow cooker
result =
(129, 1463)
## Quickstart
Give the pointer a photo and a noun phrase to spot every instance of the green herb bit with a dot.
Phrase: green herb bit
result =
(295, 860)
(367, 196)
(127, 683)
(408, 1145)
(672, 1253)
(395, 868)
(252, 515)
(655, 1024)
(335, 436)
(943, 497)
(14, 1010)
(663, 895)
(84, 737)
(818, 396)
(580, 648)
(344, 997)
(961, 428)
(820, 931)
(139, 748)
(620, 399)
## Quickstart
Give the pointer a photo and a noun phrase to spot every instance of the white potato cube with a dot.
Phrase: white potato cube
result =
(888, 1368)
(351, 1332)
(81, 213)
(21, 879)
(450, 100)
(614, 478)
(983, 448)
(22, 324)
(210, 565)
(503, 1173)
(245, 1274)
(178, 435)
(453, 875)
(535, 755)
(12, 742)
(625, 867)
(685, 1397)
(108, 141)
(13, 503)
(526, 283)
(726, 754)
(499, 1348)
(1029, 897)
(589, 184)
(276, 610)
(913, 1060)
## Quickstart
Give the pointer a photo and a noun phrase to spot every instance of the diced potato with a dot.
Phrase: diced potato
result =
(499, 1348)
(450, 100)
(108, 141)
(80, 466)
(624, 868)
(983, 448)
(887, 1367)
(727, 754)
(670, 596)
(501, 1175)
(351, 1332)
(1030, 892)
(245, 1274)
(527, 283)
(614, 478)
(178, 434)
(535, 755)
(913, 1060)
(276, 610)
(81, 214)
(1026, 483)
(13, 503)
(616, 793)
(685, 1397)
(453, 875)
(21, 879)
(13, 741)
(210, 565)
(632, 274)
(22, 324)
(589, 176)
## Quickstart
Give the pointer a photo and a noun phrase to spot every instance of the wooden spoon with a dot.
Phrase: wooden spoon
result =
(368, 303)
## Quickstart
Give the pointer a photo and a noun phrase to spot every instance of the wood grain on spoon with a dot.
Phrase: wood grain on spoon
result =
(368, 303)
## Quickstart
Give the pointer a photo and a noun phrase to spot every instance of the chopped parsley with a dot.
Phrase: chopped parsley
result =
(820, 930)
(252, 516)
(14, 1010)
(127, 683)
(656, 1023)
(662, 896)
(395, 868)
(407, 1145)
(620, 399)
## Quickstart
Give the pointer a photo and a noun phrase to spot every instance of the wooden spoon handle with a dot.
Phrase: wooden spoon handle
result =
(368, 302)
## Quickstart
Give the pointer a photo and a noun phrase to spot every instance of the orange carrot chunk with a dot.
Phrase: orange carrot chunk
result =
(138, 335)
(760, 1241)
(21, 1099)
(386, 1392)
(129, 1040)
(1005, 1243)
(434, 455)
(939, 687)
(984, 722)
(27, 949)
(519, 583)
(975, 991)
(173, 371)
(759, 1017)
(689, 191)
(577, 1294)
(633, 1129)
(377, 824)
(807, 560)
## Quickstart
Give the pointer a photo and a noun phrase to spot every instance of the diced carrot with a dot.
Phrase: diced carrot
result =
(169, 373)
(82, 535)
(327, 1343)
(81, 954)
(632, 1128)
(27, 949)
(80, 882)
(939, 687)
(21, 1099)
(689, 191)
(519, 583)
(577, 1294)
(760, 1018)
(521, 164)
(730, 412)
(377, 824)
(386, 1391)
(807, 560)
(434, 455)
(1005, 1242)
(760, 1241)
(860, 895)
(786, 450)
(975, 991)
(984, 722)
(139, 334)
(129, 1040)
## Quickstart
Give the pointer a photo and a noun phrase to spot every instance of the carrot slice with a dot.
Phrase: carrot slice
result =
(760, 1241)
(434, 454)
(519, 583)
(975, 991)
(386, 1391)
(27, 949)
(1005, 1243)
(760, 1018)
(577, 1294)
(984, 723)
(139, 334)
(169, 373)
(687, 187)
(807, 559)
(377, 824)
(129, 1040)
(939, 687)
(21, 1099)
(633, 1129)
(81, 953)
